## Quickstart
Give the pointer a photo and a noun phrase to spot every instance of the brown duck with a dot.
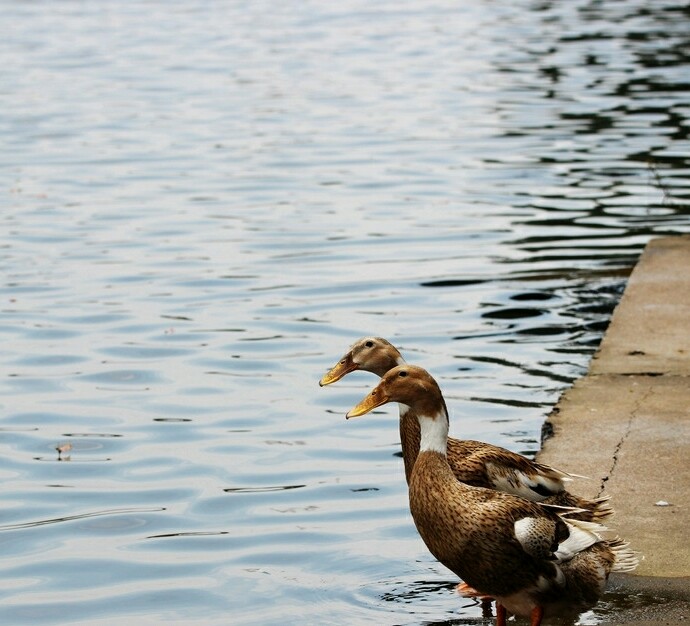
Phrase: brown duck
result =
(472, 462)
(533, 560)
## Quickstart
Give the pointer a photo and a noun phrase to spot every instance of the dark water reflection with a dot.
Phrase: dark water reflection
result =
(206, 203)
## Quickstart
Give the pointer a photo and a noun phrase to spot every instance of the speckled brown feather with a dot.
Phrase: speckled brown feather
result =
(483, 550)
(470, 459)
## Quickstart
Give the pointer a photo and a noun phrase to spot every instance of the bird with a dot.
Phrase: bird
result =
(472, 462)
(534, 560)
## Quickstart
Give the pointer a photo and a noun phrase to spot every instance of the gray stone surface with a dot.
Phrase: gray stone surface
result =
(650, 328)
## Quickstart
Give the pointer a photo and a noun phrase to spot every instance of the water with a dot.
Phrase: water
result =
(205, 203)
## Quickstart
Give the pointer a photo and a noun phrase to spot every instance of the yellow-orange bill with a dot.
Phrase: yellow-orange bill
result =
(342, 368)
(374, 399)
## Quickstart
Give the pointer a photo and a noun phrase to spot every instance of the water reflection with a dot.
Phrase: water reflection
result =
(260, 489)
(207, 203)
(71, 518)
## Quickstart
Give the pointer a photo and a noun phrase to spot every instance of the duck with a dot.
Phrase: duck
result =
(534, 560)
(472, 462)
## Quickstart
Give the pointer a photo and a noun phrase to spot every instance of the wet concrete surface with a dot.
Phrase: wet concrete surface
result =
(645, 601)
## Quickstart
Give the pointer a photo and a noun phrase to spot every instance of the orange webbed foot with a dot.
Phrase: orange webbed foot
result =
(470, 592)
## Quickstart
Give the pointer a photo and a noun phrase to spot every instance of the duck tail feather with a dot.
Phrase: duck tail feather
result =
(627, 559)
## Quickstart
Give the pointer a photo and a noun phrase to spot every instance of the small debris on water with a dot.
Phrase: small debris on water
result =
(62, 448)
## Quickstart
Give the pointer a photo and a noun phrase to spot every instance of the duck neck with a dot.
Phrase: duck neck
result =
(434, 432)
(409, 438)
(382, 366)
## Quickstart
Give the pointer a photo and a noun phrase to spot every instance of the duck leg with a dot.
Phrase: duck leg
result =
(500, 615)
(536, 616)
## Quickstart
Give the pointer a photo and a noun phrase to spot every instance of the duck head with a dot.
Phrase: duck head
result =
(371, 354)
(405, 384)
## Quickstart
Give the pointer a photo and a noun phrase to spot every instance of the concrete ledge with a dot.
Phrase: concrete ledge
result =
(629, 435)
(626, 424)
(650, 328)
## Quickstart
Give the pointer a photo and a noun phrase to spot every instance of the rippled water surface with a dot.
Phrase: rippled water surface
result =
(204, 204)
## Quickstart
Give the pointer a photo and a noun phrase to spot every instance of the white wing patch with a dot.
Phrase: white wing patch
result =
(533, 487)
(582, 535)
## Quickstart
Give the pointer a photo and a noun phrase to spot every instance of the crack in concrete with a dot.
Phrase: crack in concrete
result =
(619, 445)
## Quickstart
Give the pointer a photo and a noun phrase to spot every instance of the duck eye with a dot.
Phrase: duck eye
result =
(369, 344)
(402, 374)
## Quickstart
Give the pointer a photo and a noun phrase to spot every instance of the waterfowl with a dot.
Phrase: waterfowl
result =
(473, 462)
(531, 559)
